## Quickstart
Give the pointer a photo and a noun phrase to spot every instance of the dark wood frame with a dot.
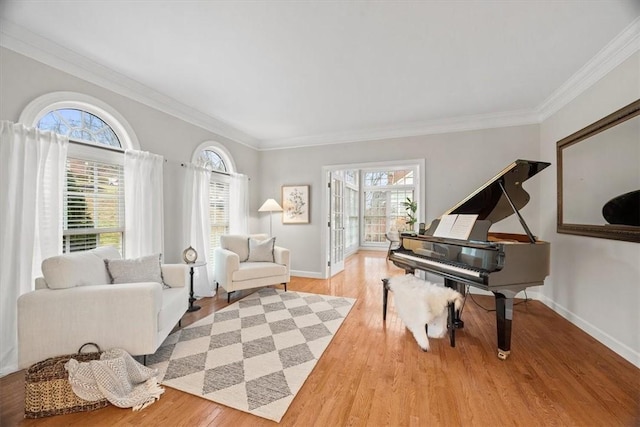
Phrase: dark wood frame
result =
(615, 232)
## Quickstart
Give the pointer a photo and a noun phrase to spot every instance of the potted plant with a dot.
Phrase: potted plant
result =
(411, 206)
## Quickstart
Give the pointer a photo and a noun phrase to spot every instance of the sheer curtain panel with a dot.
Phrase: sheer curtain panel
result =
(239, 204)
(197, 225)
(143, 201)
(32, 170)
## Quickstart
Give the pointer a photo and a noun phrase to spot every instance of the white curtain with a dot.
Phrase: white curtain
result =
(239, 204)
(197, 228)
(143, 200)
(32, 170)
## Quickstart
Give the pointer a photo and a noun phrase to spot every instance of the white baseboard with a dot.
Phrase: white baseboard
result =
(621, 349)
(307, 274)
(613, 344)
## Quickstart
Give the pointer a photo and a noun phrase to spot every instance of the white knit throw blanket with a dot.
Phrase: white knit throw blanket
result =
(117, 377)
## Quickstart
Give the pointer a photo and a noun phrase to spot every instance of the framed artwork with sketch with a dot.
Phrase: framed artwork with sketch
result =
(295, 204)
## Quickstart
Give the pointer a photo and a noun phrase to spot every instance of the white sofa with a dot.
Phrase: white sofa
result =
(75, 303)
(239, 265)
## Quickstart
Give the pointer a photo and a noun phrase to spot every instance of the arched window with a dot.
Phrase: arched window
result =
(93, 199)
(80, 126)
(216, 158)
(213, 160)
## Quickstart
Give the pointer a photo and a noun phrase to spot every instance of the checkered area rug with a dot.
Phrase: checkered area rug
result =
(255, 354)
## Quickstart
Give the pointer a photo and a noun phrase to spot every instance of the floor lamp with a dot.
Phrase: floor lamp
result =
(270, 206)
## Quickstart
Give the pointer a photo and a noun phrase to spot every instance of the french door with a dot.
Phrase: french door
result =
(336, 222)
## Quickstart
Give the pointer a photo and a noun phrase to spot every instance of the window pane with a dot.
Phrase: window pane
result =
(384, 211)
(218, 214)
(351, 177)
(93, 205)
(80, 126)
(213, 160)
(84, 242)
(352, 224)
(52, 122)
(388, 178)
(384, 192)
(375, 179)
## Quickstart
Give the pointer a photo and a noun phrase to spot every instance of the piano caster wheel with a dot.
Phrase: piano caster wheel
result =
(503, 354)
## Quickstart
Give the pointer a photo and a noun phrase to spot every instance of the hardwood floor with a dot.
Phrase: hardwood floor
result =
(375, 374)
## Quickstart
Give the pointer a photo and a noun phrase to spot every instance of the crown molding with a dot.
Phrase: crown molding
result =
(625, 44)
(455, 124)
(613, 54)
(16, 38)
(20, 40)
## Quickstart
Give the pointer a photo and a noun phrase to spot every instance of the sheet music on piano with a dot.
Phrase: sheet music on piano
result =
(455, 226)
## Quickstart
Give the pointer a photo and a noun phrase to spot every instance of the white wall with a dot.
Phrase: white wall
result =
(456, 165)
(23, 79)
(595, 283)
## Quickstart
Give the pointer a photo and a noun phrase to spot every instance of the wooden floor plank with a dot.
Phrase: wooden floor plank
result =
(373, 373)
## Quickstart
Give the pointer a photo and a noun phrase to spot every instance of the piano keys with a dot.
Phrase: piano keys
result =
(502, 263)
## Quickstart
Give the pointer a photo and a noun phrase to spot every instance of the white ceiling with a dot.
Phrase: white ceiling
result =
(283, 73)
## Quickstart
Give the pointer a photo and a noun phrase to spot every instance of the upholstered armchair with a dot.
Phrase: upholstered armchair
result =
(250, 261)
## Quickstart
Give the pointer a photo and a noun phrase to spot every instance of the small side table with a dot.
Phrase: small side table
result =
(191, 298)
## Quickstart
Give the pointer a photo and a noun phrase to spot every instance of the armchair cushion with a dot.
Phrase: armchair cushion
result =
(261, 250)
(257, 270)
(145, 269)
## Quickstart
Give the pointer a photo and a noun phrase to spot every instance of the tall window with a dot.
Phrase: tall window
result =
(219, 194)
(93, 197)
(383, 194)
(218, 210)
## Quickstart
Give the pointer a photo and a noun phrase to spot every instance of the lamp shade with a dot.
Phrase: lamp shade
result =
(270, 206)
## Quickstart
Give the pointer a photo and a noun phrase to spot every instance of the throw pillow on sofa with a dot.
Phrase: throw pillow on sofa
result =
(145, 269)
(261, 250)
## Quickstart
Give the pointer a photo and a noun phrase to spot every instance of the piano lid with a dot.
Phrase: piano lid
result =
(490, 203)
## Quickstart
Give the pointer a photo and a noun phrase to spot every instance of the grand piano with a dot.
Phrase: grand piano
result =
(503, 263)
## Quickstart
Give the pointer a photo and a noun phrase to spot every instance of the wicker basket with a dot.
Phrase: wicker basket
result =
(47, 389)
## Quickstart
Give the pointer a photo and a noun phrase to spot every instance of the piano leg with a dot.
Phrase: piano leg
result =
(385, 297)
(450, 325)
(504, 316)
(449, 283)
